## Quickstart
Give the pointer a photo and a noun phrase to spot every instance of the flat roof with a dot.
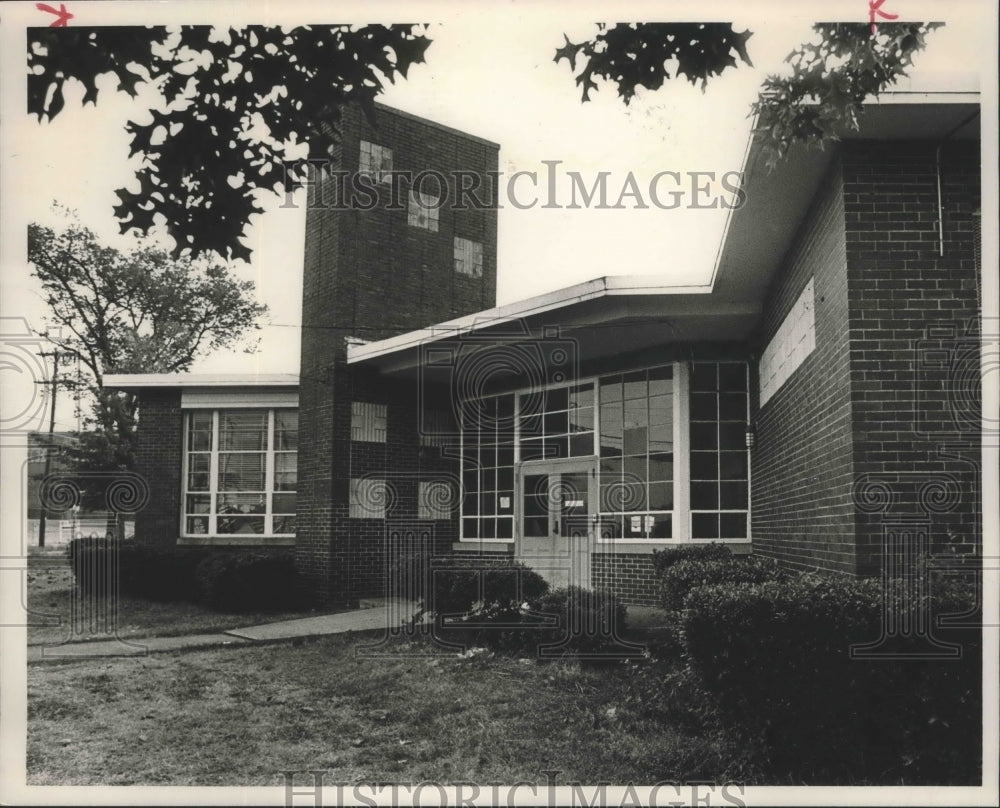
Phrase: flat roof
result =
(146, 381)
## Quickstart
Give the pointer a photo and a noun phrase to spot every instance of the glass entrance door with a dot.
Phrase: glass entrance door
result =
(557, 520)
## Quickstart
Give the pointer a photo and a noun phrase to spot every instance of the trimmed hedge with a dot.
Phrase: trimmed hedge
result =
(249, 581)
(225, 580)
(713, 551)
(459, 591)
(775, 659)
(679, 578)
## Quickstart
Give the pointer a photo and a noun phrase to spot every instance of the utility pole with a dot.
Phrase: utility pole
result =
(48, 446)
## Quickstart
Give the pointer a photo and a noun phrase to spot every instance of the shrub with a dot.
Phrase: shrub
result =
(775, 658)
(570, 621)
(685, 574)
(249, 580)
(459, 591)
(664, 559)
(96, 564)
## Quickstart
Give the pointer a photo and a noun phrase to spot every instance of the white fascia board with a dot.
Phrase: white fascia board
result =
(549, 301)
(140, 381)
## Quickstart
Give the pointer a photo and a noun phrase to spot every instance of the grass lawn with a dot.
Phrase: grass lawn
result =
(239, 716)
(50, 594)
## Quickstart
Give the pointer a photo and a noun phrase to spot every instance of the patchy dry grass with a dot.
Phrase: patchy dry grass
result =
(50, 594)
(239, 716)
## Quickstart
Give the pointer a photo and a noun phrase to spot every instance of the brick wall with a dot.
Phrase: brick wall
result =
(801, 466)
(159, 443)
(629, 575)
(914, 343)
(370, 274)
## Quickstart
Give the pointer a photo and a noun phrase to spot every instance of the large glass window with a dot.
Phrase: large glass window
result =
(557, 423)
(719, 466)
(637, 454)
(240, 472)
(488, 468)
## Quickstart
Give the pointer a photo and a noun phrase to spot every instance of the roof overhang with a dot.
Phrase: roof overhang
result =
(136, 382)
(614, 315)
(758, 234)
(601, 317)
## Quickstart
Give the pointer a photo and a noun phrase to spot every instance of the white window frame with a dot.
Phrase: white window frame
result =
(681, 513)
(213, 492)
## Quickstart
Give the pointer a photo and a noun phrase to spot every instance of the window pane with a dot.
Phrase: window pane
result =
(732, 526)
(704, 436)
(243, 430)
(488, 528)
(197, 524)
(733, 407)
(557, 399)
(286, 430)
(198, 472)
(241, 524)
(636, 440)
(733, 465)
(505, 479)
(284, 524)
(557, 447)
(660, 380)
(661, 496)
(704, 466)
(532, 449)
(200, 440)
(285, 471)
(704, 496)
(283, 503)
(241, 471)
(661, 438)
(704, 407)
(241, 503)
(581, 444)
(505, 528)
(556, 423)
(634, 469)
(704, 526)
(581, 420)
(732, 436)
(470, 529)
(662, 527)
(733, 376)
(582, 396)
(661, 409)
(635, 385)
(611, 389)
(661, 466)
(733, 496)
(704, 377)
(200, 503)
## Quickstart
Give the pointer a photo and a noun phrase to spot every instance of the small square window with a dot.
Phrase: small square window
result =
(368, 498)
(434, 499)
(468, 257)
(375, 161)
(423, 211)
(368, 422)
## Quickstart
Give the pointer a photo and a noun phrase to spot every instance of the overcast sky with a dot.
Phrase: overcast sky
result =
(489, 72)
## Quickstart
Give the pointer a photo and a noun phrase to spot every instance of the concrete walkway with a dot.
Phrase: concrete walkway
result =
(378, 615)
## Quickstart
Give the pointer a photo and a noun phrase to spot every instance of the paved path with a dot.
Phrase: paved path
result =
(379, 616)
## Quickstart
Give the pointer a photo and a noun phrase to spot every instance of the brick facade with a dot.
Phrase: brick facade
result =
(914, 343)
(159, 444)
(369, 274)
(877, 433)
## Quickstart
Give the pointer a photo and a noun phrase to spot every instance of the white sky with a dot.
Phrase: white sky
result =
(489, 72)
